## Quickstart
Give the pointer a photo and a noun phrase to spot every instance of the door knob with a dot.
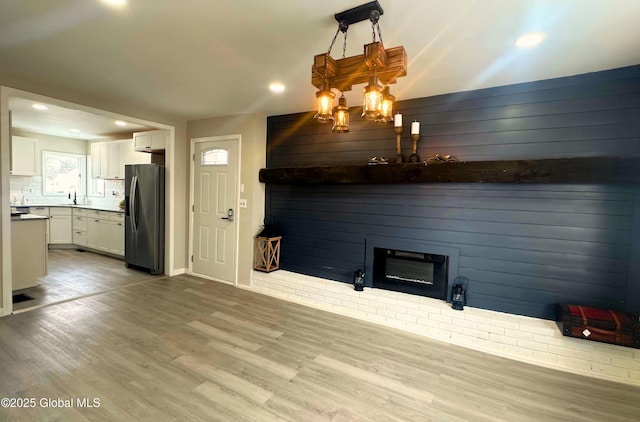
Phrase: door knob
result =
(229, 215)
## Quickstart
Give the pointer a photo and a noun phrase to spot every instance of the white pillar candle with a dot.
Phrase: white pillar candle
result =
(397, 120)
(415, 128)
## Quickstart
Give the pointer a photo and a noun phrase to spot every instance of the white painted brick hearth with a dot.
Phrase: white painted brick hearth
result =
(517, 337)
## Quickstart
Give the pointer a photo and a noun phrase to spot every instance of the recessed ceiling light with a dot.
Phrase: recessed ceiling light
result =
(40, 107)
(115, 2)
(277, 87)
(529, 40)
(74, 130)
(120, 123)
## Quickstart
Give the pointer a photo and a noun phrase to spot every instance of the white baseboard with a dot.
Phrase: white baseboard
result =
(177, 271)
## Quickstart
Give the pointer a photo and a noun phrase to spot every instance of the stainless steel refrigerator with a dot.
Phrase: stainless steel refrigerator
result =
(144, 217)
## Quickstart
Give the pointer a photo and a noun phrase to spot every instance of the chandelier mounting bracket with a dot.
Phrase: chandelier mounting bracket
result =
(359, 13)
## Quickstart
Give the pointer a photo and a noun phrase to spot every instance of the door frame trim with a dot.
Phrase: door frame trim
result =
(238, 139)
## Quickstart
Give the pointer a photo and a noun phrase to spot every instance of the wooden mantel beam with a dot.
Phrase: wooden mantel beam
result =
(601, 170)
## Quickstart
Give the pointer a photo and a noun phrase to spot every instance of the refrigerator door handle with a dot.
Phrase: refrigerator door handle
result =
(132, 203)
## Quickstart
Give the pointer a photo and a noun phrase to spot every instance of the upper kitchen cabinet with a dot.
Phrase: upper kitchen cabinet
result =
(23, 156)
(129, 156)
(153, 140)
(99, 160)
(115, 166)
(109, 158)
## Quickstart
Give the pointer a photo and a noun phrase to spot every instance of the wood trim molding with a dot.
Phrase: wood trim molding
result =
(601, 170)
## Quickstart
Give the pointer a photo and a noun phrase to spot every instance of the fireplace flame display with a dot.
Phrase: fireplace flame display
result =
(411, 272)
(409, 266)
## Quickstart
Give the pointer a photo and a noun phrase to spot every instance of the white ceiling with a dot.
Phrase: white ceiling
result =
(200, 58)
(59, 121)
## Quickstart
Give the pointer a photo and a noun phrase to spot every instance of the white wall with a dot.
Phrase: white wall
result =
(253, 129)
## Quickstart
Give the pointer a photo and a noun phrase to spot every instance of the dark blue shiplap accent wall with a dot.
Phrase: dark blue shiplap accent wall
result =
(524, 247)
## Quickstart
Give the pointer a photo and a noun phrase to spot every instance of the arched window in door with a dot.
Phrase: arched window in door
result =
(215, 157)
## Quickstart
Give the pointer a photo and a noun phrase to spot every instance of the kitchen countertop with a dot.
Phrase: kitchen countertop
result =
(93, 207)
(87, 207)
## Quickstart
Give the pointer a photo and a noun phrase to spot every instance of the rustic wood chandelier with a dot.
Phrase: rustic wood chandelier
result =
(377, 64)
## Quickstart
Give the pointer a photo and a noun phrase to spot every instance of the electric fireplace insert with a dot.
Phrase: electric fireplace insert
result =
(411, 272)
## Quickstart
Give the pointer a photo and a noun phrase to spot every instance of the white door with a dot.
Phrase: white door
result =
(215, 219)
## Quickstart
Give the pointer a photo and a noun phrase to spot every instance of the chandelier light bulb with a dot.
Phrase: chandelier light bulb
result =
(341, 116)
(325, 104)
(386, 109)
(372, 99)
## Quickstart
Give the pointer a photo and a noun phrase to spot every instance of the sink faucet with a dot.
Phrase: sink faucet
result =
(73, 189)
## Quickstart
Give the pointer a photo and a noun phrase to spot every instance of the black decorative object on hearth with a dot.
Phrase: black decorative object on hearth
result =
(459, 293)
(358, 280)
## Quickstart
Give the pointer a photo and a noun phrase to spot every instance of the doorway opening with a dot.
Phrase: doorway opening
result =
(103, 194)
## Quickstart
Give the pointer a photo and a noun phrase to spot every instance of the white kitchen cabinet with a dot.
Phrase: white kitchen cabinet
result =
(99, 160)
(60, 229)
(43, 211)
(80, 238)
(105, 231)
(79, 227)
(94, 229)
(97, 232)
(60, 225)
(23, 156)
(92, 232)
(141, 141)
(28, 252)
(109, 158)
(116, 156)
(125, 149)
(131, 156)
(153, 140)
(115, 238)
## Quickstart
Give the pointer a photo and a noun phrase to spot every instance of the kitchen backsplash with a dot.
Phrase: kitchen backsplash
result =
(28, 191)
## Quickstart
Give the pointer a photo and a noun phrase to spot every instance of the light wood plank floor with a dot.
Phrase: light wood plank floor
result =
(186, 349)
(73, 274)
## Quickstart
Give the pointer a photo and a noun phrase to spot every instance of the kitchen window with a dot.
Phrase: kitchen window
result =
(63, 173)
